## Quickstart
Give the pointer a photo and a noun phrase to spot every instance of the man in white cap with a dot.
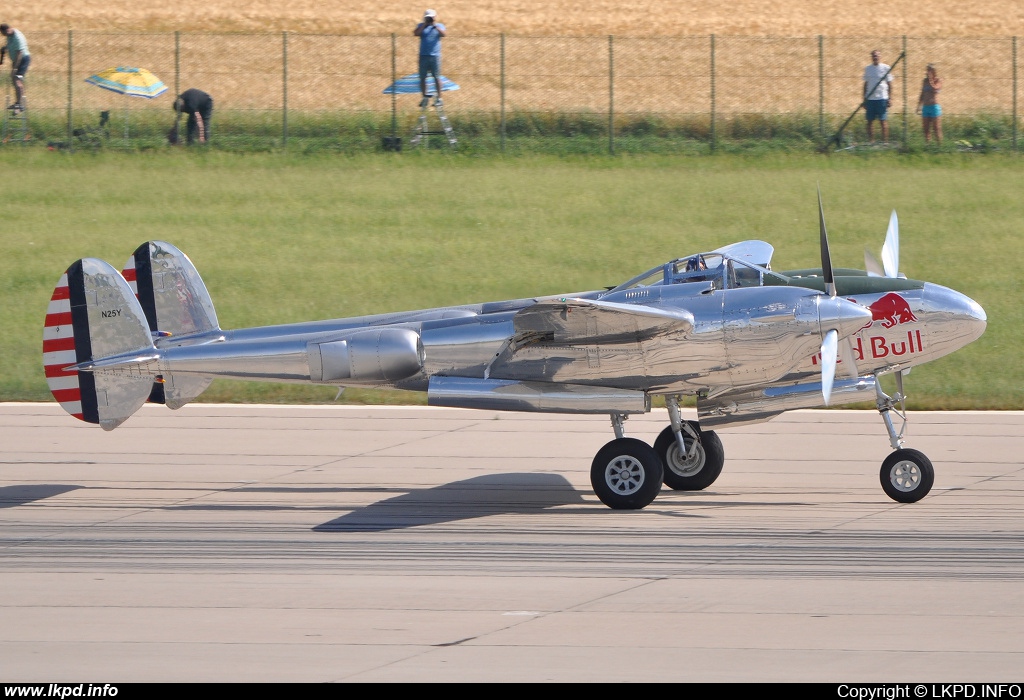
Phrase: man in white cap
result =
(430, 32)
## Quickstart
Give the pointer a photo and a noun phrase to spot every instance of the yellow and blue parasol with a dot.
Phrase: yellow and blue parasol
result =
(134, 82)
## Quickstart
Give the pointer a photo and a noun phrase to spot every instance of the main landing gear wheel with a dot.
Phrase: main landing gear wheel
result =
(626, 474)
(696, 472)
(907, 476)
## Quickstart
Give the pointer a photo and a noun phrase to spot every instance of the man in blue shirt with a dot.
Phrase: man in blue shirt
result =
(430, 32)
(17, 47)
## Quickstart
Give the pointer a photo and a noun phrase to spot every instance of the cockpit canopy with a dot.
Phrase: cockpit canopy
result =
(746, 264)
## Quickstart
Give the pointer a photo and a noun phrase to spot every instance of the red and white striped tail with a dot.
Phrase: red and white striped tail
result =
(59, 351)
(97, 312)
(94, 315)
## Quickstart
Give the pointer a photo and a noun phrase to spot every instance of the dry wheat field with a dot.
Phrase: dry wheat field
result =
(949, 18)
(767, 55)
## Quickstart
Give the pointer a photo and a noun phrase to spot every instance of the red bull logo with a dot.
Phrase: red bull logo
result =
(891, 310)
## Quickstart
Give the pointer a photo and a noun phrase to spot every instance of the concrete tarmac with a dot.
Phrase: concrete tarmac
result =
(411, 544)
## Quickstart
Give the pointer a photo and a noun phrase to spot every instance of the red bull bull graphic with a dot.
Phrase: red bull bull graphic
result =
(891, 310)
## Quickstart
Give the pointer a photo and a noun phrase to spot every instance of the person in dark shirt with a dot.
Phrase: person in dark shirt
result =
(199, 107)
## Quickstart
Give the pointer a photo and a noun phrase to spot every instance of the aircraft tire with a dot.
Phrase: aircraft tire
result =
(907, 476)
(626, 474)
(683, 474)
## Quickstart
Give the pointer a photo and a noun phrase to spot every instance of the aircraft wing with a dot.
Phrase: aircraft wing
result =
(591, 321)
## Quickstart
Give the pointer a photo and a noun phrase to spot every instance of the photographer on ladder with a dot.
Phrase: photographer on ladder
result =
(430, 32)
(17, 47)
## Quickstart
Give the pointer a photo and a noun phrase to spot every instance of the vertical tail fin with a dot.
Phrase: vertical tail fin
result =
(170, 290)
(93, 314)
(177, 304)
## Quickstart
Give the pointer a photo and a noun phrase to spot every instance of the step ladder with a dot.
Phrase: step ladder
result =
(15, 127)
(422, 132)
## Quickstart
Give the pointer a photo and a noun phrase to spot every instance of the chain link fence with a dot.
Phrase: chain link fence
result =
(516, 94)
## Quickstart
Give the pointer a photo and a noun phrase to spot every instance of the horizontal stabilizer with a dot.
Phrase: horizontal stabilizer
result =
(92, 315)
(590, 321)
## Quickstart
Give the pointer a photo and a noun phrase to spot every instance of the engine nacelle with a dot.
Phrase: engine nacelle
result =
(539, 397)
(381, 355)
(759, 405)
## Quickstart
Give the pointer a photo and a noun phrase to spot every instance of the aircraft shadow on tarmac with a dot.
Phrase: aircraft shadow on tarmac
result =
(19, 495)
(472, 498)
(482, 496)
(492, 494)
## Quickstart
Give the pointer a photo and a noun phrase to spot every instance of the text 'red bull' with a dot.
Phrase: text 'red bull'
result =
(892, 310)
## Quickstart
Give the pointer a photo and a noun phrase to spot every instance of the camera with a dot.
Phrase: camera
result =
(428, 20)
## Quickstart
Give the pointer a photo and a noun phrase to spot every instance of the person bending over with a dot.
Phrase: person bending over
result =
(198, 106)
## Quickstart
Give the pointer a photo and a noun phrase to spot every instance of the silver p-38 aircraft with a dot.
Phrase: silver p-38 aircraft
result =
(747, 342)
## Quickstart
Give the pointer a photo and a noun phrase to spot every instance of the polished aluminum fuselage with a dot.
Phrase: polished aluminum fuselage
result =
(721, 326)
(738, 343)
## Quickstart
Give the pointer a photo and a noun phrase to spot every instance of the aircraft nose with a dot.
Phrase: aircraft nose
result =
(960, 316)
(845, 316)
(974, 312)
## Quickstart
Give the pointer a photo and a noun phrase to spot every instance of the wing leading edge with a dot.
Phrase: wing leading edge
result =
(590, 321)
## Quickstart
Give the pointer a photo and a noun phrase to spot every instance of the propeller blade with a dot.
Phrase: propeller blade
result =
(899, 381)
(849, 358)
(891, 249)
(872, 265)
(829, 353)
(826, 257)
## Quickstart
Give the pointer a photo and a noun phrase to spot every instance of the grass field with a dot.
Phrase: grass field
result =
(283, 238)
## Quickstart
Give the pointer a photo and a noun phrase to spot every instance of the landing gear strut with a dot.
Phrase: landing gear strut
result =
(693, 458)
(627, 473)
(906, 475)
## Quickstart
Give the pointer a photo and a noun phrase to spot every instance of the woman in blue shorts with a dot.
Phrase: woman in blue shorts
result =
(928, 104)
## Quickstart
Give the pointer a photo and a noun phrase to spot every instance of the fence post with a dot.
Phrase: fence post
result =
(905, 100)
(71, 64)
(284, 88)
(713, 136)
(394, 92)
(177, 63)
(502, 125)
(821, 86)
(1015, 93)
(611, 96)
